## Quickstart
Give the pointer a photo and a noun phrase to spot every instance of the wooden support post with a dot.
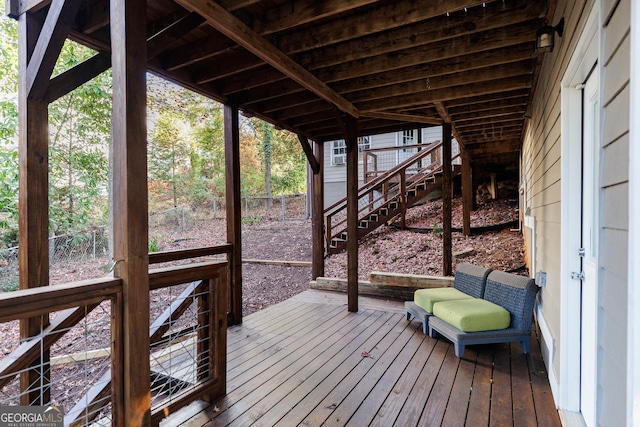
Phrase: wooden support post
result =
(403, 200)
(130, 211)
(467, 193)
(32, 206)
(317, 218)
(234, 208)
(493, 186)
(352, 213)
(474, 200)
(447, 257)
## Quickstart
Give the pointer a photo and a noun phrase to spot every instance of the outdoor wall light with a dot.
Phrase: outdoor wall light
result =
(545, 39)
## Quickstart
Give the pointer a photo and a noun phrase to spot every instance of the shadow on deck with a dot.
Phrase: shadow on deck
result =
(309, 361)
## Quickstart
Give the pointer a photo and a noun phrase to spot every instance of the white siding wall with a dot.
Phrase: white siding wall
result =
(541, 175)
(335, 176)
(615, 212)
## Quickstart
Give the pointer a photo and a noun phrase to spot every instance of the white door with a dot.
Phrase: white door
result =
(589, 244)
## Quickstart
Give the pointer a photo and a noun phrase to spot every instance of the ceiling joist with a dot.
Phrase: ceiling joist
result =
(234, 29)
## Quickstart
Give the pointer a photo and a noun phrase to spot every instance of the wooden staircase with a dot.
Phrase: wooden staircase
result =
(386, 197)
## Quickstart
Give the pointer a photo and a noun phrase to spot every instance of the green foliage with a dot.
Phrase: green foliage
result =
(10, 284)
(252, 220)
(10, 236)
(154, 244)
(80, 125)
(8, 78)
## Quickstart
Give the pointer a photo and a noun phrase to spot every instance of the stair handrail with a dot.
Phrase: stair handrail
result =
(428, 149)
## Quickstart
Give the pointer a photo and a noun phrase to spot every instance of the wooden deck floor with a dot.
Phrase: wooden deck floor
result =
(308, 361)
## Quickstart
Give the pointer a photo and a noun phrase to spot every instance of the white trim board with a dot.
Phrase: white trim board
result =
(586, 53)
(633, 322)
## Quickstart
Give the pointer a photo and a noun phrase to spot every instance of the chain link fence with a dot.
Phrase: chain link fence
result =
(93, 244)
(254, 209)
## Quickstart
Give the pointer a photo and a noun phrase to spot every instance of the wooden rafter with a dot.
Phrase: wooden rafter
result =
(444, 50)
(440, 28)
(396, 14)
(470, 90)
(233, 28)
(414, 118)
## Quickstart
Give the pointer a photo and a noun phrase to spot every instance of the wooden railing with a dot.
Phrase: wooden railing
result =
(378, 161)
(393, 183)
(206, 287)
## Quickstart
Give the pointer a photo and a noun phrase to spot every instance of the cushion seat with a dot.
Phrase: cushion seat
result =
(426, 298)
(473, 315)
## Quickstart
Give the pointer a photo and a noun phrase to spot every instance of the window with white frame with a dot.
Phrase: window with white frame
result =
(339, 150)
(364, 143)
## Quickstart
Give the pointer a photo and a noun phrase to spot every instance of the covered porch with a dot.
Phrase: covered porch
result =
(468, 66)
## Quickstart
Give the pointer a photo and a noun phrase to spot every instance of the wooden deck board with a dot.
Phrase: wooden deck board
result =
(301, 363)
(501, 402)
(272, 409)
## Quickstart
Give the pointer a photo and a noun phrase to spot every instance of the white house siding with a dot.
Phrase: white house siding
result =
(612, 350)
(541, 180)
(335, 176)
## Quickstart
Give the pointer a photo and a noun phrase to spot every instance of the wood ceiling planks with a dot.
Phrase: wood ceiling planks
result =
(292, 62)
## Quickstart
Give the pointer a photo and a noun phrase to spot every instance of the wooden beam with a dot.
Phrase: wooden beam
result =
(234, 208)
(492, 73)
(487, 105)
(39, 301)
(444, 114)
(288, 15)
(33, 202)
(441, 27)
(493, 147)
(317, 217)
(225, 65)
(488, 114)
(410, 280)
(158, 42)
(308, 152)
(130, 224)
(396, 14)
(467, 193)
(413, 118)
(69, 80)
(283, 94)
(15, 8)
(413, 68)
(512, 36)
(447, 252)
(234, 29)
(431, 96)
(50, 41)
